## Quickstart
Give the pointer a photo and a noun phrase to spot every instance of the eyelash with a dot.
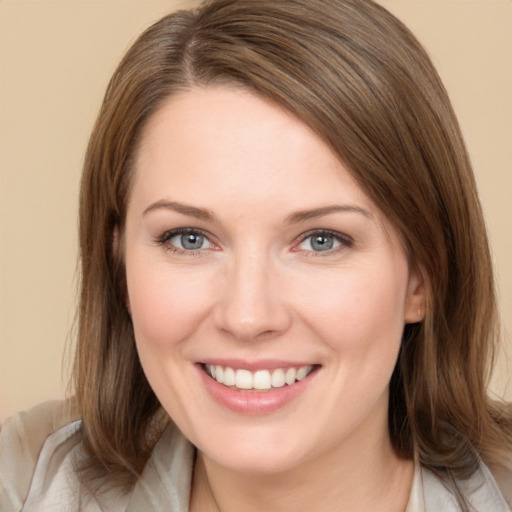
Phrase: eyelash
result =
(345, 241)
(165, 237)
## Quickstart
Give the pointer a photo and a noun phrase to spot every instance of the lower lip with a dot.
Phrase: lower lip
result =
(254, 402)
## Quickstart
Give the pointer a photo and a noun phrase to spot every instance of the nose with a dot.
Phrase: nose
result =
(251, 304)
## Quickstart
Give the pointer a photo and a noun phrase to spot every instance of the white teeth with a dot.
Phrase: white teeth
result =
(260, 379)
(291, 373)
(243, 379)
(219, 374)
(229, 377)
(278, 379)
(303, 372)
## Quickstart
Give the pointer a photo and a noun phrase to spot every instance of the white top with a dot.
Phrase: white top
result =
(39, 450)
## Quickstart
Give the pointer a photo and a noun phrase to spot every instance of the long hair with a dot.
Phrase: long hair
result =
(355, 75)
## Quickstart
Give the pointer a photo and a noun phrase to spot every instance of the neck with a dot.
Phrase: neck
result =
(360, 475)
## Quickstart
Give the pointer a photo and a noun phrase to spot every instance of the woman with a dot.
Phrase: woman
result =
(287, 299)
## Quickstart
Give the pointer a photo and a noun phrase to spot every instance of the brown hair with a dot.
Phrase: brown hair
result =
(361, 80)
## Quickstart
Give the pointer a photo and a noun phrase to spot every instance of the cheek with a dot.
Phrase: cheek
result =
(357, 309)
(166, 304)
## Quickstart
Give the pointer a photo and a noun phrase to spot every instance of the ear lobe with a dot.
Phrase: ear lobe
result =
(416, 299)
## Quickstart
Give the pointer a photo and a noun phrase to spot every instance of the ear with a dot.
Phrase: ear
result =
(116, 248)
(416, 299)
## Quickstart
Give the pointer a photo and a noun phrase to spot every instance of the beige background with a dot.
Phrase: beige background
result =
(55, 60)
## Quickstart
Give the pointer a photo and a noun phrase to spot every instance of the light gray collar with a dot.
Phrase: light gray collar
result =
(166, 482)
(480, 490)
(167, 479)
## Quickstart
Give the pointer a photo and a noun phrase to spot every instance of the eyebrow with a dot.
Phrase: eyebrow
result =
(315, 213)
(293, 218)
(193, 211)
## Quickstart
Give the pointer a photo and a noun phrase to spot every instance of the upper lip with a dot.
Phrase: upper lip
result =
(260, 364)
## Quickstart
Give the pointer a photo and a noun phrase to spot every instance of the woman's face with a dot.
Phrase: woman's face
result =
(252, 254)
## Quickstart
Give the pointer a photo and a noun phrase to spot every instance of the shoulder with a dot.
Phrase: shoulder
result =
(484, 490)
(503, 476)
(41, 449)
(502, 472)
(22, 438)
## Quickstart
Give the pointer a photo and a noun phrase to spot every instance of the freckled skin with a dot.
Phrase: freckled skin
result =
(257, 290)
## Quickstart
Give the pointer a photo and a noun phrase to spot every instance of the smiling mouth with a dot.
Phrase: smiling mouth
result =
(260, 380)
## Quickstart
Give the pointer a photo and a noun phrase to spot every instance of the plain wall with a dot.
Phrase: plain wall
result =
(55, 61)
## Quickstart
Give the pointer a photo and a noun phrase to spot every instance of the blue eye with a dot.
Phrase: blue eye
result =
(322, 241)
(186, 240)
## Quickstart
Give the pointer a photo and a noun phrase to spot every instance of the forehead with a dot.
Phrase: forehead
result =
(223, 119)
(204, 138)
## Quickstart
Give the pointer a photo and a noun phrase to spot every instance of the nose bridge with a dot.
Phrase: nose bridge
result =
(252, 305)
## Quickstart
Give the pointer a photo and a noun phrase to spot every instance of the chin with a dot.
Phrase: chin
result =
(256, 454)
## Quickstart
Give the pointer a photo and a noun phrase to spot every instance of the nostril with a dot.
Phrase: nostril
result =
(246, 322)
